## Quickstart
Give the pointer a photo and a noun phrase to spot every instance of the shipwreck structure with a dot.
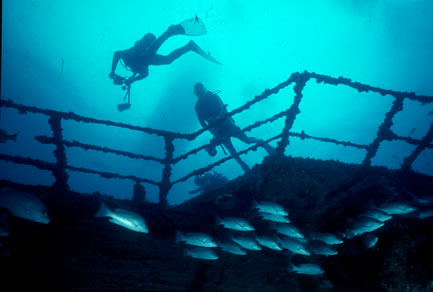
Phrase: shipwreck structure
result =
(76, 251)
(299, 80)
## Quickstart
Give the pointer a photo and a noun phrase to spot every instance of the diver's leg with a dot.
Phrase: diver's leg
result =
(228, 144)
(191, 46)
(171, 31)
(201, 52)
(166, 60)
(250, 140)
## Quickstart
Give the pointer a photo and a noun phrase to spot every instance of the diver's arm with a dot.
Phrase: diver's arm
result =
(200, 116)
(116, 57)
(137, 76)
(171, 31)
(202, 121)
(222, 107)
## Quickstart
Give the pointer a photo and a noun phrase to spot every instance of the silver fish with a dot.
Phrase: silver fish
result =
(307, 269)
(195, 238)
(289, 230)
(426, 200)
(270, 208)
(201, 253)
(293, 245)
(268, 242)
(422, 214)
(328, 238)
(274, 218)
(24, 205)
(231, 247)
(396, 208)
(235, 223)
(378, 215)
(246, 242)
(124, 218)
(362, 225)
(320, 248)
(369, 240)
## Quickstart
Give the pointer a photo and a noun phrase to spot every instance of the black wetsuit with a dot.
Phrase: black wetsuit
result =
(209, 108)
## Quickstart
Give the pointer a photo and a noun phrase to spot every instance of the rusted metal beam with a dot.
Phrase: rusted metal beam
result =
(408, 161)
(50, 140)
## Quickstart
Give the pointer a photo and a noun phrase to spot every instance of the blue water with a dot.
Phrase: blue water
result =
(57, 55)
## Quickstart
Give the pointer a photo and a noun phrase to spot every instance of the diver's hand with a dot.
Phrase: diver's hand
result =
(129, 81)
(112, 75)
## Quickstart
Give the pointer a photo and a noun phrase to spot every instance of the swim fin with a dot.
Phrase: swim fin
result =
(201, 52)
(193, 27)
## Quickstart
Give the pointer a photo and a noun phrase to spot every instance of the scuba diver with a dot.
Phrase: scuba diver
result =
(208, 181)
(144, 53)
(209, 108)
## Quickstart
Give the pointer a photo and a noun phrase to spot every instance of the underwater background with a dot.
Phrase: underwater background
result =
(57, 55)
(349, 207)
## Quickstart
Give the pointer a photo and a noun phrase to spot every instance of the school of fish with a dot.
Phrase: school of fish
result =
(283, 236)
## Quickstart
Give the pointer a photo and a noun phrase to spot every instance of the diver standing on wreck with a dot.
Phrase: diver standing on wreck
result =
(144, 53)
(209, 108)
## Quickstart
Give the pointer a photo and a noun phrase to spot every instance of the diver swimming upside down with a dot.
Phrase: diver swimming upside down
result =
(144, 53)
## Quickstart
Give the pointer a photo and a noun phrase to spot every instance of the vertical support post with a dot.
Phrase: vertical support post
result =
(61, 183)
(384, 131)
(428, 138)
(300, 80)
(165, 184)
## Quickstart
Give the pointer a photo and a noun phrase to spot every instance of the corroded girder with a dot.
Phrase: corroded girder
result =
(428, 138)
(298, 79)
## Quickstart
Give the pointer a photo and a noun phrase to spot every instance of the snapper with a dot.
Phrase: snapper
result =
(24, 205)
(129, 220)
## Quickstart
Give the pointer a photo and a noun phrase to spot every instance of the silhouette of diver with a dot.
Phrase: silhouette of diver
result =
(209, 107)
(209, 181)
(143, 54)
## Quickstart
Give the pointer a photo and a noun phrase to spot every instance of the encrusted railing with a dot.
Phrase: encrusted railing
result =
(298, 79)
